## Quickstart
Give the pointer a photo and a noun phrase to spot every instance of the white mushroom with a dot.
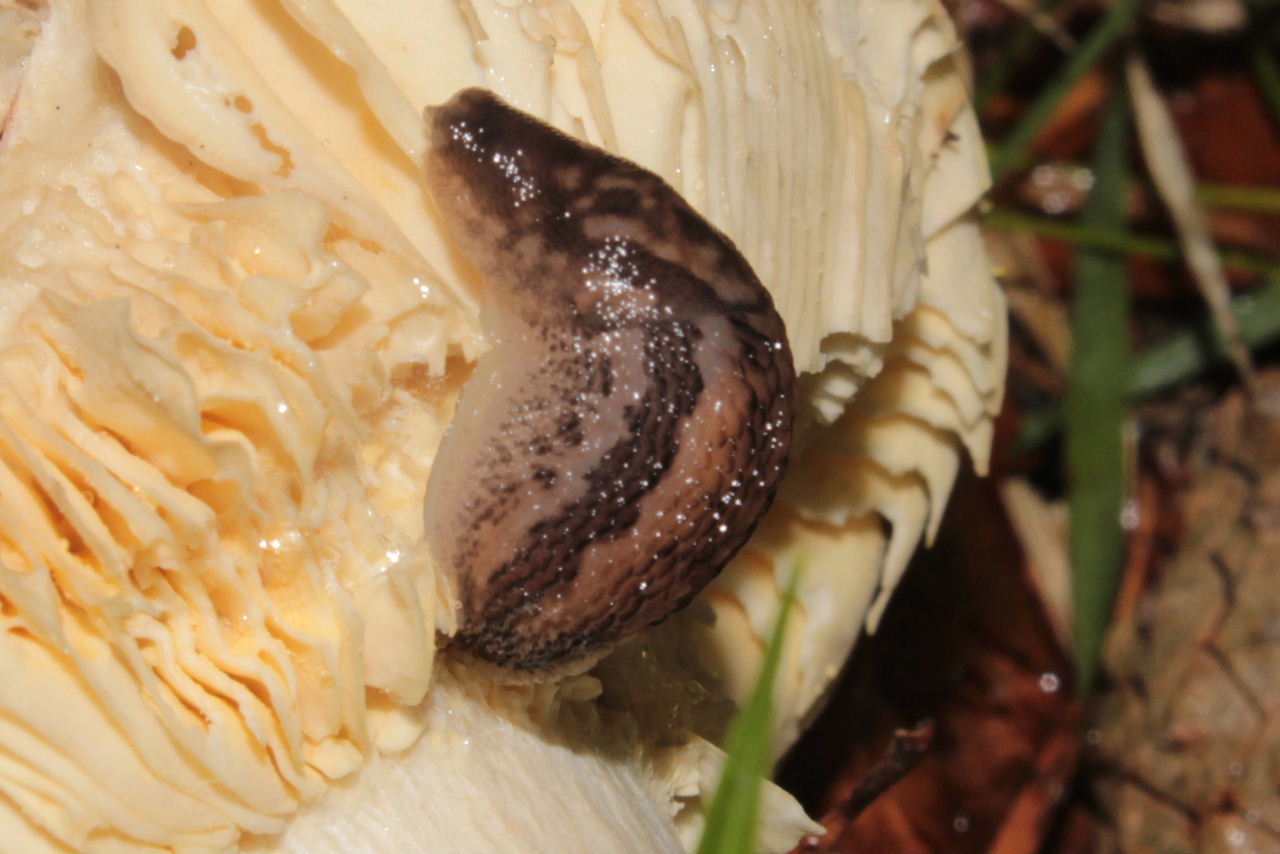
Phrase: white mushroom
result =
(233, 326)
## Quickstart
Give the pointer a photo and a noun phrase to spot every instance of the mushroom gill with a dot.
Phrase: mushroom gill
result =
(233, 330)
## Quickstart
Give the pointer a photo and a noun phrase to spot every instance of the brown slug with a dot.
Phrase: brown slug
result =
(617, 445)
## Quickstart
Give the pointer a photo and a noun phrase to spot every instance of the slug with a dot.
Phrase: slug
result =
(628, 428)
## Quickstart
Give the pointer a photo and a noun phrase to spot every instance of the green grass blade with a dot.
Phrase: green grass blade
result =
(1095, 400)
(1178, 358)
(1266, 71)
(1085, 235)
(733, 821)
(1193, 351)
(1241, 197)
(1013, 152)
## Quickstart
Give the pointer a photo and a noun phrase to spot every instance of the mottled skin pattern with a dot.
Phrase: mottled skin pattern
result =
(619, 443)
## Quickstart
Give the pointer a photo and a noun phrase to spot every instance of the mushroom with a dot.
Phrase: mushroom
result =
(236, 324)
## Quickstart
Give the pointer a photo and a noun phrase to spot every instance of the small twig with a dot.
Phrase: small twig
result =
(1119, 240)
(1141, 553)
(1167, 163)
(1038, 15)
(906, 749)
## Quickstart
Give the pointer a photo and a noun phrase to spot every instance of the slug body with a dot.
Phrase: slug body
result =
(617, 445)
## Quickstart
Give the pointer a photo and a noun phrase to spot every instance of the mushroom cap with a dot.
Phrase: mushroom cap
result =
(232, 331)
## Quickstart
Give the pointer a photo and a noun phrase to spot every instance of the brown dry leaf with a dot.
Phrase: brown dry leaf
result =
(1029, 819)
(1190, 734)
(965, 642)
(1220, 116)
(1041, 529)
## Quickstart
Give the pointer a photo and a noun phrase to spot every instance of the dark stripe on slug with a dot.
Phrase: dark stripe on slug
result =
(617, 447)
(553, 548)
